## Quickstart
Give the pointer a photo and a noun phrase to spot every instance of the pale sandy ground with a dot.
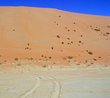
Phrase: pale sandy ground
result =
(55, 82)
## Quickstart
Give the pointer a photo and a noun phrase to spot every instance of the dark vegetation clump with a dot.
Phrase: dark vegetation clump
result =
(54, 63)
(74, 23)
(68, 38)
(16, 59)
(28, 44)
(52, 48)
(27, 48)
(68, 30)
(108, 26)
(72, 42)
(90, 53)
(70, 57)
(58, 36)
(44, 66)
(97, 29)
(18, 64)
(99, 57)
(86, 50)
(94, 59)
(68, 43)
(59, 16)
(80, 42)
(62, 42)
(13, 29)
(78, 64)
(86, 61)
(74, 30)
(107, 33)
(81, 35)
(50, 57)
(30, 58)
(92, 63)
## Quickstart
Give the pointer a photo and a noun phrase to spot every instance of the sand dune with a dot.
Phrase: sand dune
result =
(51, 36)
(36, 43)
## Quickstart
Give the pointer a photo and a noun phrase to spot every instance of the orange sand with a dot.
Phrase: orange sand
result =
(53, 36)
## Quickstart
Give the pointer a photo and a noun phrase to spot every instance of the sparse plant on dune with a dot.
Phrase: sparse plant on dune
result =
(30, 59)
(108, 26)
(44, 66)
(16, 59)
(18, 64)
(97, 29)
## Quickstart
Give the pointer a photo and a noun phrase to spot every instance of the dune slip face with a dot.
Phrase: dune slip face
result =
(52, 37)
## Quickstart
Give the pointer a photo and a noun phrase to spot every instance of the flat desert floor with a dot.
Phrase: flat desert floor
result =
(55, 82)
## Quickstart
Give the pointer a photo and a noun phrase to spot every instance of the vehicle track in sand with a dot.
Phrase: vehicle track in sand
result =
(30, 91)
(56, 92)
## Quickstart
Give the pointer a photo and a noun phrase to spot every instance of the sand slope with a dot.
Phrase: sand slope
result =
(52, 36)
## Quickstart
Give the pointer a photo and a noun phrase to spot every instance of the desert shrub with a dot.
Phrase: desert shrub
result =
(18, 64)
(72, 42)
(108, 26)
(16, 59)
(68, 30)
(74, 23)
(74, 30)
(13, 29)
(62, 42)
(30, 58)
(59, 16)
(44, 66)
(50, 57)
(99, 57)
(58, 36)
(65, 27)
(94, 59)
(52, 48)
(107, 33)
(68, 38)
(80, 42)
(97, 29)
(70, 57)
(90, 53)
(81, 35)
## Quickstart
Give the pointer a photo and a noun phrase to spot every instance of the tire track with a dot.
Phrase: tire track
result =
(29, 92)
(57, 88)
